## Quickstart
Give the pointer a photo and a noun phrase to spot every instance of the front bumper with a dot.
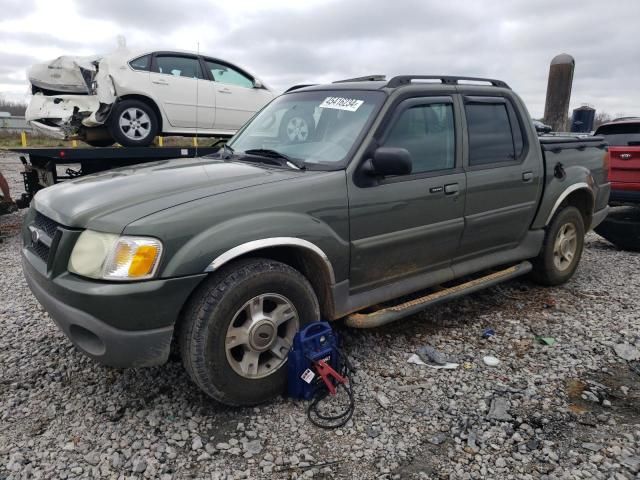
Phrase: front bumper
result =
(117, 324)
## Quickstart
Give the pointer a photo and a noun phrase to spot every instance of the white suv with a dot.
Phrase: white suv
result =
(131, 97)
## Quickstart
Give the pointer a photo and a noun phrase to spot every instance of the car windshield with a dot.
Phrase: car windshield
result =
(621, 134)
(319, 127)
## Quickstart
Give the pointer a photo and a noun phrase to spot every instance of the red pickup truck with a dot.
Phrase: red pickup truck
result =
(622, 226)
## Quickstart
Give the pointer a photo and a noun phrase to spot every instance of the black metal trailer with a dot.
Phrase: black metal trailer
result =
(40, 164)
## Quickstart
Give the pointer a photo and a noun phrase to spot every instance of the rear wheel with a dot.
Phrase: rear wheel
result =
(239, 327)
(133, 123)
(562, 248)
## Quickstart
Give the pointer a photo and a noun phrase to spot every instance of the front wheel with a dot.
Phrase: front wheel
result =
(562, 248)
(239, 327)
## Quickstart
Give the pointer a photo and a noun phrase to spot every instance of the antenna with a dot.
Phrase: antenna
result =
(197, 92)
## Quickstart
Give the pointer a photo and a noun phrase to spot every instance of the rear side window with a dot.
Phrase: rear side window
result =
(490, 135)
(621, 134)
(179, 66)
(141, 63)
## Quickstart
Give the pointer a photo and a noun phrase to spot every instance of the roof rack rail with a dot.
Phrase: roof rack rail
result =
(366, 78)
(447, 80)
(296, 87)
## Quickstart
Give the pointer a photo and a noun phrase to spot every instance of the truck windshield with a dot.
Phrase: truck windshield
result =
(621, 134)
(319, 127)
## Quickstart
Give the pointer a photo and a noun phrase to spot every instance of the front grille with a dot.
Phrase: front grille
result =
(40, 250)
(45, 224)
(49, 228)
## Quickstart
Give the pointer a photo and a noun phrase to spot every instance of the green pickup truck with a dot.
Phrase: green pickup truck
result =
(364, 200)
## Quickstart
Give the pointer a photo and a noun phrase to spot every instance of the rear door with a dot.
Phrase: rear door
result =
(174, 82)
(624, 154)
(236, 97)
(410, 224)
(504, 176)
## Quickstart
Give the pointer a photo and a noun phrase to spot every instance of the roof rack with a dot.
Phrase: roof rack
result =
(446, 80)
(367, 78)
(302, 85)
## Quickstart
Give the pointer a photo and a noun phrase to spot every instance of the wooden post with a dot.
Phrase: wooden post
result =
(23, 138)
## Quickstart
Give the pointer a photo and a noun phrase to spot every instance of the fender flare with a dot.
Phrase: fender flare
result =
(568, 191)
(254, 245)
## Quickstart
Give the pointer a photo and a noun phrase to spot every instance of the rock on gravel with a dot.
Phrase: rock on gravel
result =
(64, 416)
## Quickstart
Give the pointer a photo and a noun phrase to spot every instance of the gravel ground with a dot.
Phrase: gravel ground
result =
(569, 410)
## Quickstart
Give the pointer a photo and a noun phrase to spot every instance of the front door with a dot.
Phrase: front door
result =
(411, 224)
(236, 97)
(504, 177)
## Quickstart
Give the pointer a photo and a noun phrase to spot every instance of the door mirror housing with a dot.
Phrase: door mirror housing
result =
(257, 83)
(388, 161)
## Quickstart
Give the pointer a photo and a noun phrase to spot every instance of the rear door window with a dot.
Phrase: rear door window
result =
(490, 135)
(178, 66)
(141, 63)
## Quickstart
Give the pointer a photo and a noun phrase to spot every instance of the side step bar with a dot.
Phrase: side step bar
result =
(396, 312)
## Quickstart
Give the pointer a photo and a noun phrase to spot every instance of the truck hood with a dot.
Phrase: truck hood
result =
(110, 200)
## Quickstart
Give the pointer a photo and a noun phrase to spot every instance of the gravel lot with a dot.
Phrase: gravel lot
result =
(569, 410)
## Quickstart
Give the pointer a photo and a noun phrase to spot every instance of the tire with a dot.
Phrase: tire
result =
(133, 123)
(552, 266)
(297, 126)
(218, 316)
(622, 228)
(107, 142)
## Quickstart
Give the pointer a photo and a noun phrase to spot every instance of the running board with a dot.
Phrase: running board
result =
(390, 314)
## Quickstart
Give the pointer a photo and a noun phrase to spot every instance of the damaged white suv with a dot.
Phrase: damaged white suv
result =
(130, 97)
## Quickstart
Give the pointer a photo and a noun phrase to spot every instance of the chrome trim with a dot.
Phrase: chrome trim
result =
(563, 195)
(270, 242)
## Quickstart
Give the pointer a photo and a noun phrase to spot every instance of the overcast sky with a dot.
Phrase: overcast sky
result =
(289, 42)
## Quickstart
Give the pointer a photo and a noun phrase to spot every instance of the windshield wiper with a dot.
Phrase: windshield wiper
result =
(280, 158)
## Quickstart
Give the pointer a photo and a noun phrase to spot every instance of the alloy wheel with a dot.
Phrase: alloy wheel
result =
(135, 123)
(260, 335)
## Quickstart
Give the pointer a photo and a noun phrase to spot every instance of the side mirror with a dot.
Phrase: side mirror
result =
(388, 161)
(257, 83)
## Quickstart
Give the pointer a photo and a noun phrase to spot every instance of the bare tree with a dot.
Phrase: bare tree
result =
(14, 108)
(601, 117)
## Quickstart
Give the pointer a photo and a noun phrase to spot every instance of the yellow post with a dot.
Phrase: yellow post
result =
(195, 141)
(74, 143)
(23, 138)
(160, 141)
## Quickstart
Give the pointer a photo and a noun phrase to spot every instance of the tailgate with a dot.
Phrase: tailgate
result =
(625, 164)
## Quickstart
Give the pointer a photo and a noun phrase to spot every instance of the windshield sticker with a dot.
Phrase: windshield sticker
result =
(340, 103)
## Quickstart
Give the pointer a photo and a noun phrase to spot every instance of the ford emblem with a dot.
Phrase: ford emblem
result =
(35, 236)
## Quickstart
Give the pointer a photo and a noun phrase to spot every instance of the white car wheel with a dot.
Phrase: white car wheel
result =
(135, 123)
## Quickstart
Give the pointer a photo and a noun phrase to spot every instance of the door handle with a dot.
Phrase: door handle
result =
(160, 82)
(451, 189)
(224, 90)
(527, 176)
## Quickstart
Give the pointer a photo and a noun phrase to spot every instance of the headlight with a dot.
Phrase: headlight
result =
(113, 257)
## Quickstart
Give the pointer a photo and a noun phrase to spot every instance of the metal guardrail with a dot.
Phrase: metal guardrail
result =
(14, 124)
